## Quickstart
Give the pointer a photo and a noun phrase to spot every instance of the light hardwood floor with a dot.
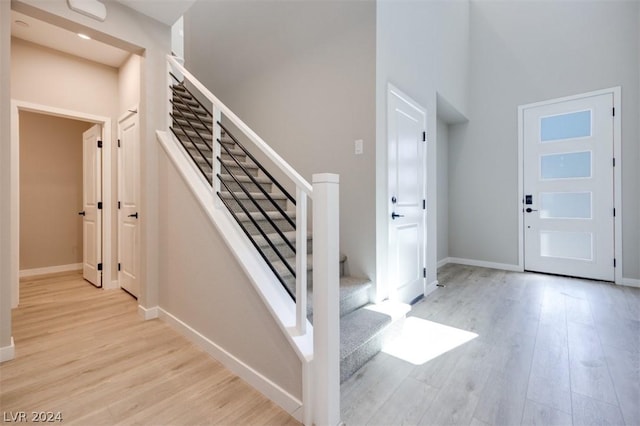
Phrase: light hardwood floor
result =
(550, 351)
(85, 353)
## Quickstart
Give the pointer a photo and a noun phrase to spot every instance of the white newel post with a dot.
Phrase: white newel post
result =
(326, 302)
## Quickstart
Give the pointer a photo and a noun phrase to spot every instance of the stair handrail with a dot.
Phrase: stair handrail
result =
(321, 373)
(291, 173)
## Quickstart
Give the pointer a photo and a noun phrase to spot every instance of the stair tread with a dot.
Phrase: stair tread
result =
(292, 261)
(273, 215)
(358, 327)
(256, 195)
(244, 178)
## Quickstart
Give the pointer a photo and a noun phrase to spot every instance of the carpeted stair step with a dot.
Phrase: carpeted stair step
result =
(248, 184)
(290, 280)
(354, 293)
(275, 216)
(260, 198)
(233, 168)
(193, 124)
(195, 112)
(280, 245)
(361, 338)
(191, 135)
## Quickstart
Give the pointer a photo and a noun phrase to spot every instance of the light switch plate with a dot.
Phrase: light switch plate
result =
(359, 147)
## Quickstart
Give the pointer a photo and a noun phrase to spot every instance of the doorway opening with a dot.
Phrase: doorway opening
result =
(104, 245)
(570, 186)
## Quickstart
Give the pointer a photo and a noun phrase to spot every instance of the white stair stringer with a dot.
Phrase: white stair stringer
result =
(273, 294)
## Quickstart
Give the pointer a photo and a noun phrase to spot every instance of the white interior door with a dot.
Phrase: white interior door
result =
(128, 199)
(568, 185)
(407, 182)
(92, 206)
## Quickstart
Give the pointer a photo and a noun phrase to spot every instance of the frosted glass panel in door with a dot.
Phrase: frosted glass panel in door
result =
(566, 245)
(565, 205)
(565, 165)
(565, 126)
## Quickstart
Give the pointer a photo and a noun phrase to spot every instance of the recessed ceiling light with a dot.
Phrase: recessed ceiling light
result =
(84, 36)
(21, 23)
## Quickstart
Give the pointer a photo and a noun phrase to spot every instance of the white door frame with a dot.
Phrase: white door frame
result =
(617, 172)
(16, 107)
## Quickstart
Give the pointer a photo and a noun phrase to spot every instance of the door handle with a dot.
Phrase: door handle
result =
(134, 215)
(395, 215)
(82, 213)
(529, 210)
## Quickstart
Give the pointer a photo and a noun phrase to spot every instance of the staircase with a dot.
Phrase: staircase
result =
(265, 211)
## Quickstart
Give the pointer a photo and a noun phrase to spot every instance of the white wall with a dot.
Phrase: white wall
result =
(129, 84)
(523, 52)
(422, 48)
(6, 274)
(302, 75)
(202, 284)
(442, 164)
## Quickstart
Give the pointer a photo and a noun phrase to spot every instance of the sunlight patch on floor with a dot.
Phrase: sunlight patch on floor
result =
(421, 340)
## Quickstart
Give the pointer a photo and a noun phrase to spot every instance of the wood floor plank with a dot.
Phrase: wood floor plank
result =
(541, 415)
(546, 337)
(85, 352)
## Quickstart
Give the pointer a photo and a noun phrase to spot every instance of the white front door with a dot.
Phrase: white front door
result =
(406, 191)
(92, 206)
(128, 199)
(568, 185)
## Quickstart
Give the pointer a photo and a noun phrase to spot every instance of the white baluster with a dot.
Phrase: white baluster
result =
(301, 261)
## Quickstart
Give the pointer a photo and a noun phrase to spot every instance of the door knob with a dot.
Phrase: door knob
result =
(529, 210)
(395, 215)
(82, 213)
(134, 215)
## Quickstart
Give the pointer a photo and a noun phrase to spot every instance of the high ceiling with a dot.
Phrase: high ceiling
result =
(166, 11)
(45, 34)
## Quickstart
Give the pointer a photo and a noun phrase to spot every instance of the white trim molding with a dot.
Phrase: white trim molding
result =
(148, 313)
(268, 388)
(630, 282)
(7, 353)
(50, 270)
(443, 262)
(484, 264)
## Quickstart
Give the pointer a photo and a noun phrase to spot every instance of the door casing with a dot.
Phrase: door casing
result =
(617, 177)
(16, 107)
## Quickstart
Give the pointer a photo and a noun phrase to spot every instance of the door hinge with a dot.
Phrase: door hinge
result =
(118, 205)
(614, 212)
(99, 144)
(118, 266)
(424, 204)
(424, 272)
(614, 262)
(99, 266)
(99, 205)
(614, 162)
(613, 111)
(424, 136)
(118, 143)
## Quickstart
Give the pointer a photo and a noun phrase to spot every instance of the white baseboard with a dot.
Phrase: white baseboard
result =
(7, 353)
(148, 313)
(271, 390)
(631, 282)
(484, 264)
(50, 270)
(443, 262)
